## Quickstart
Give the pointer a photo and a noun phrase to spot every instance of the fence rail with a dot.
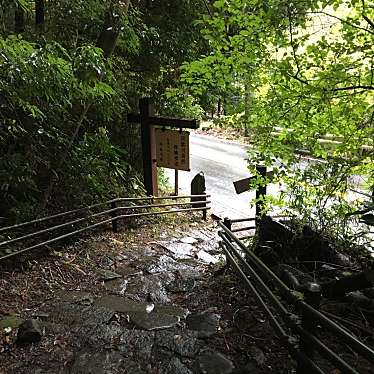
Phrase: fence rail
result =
(21, 242)
(258, 277)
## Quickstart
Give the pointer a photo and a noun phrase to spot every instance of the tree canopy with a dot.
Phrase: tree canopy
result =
(297, 75)
(308, 67)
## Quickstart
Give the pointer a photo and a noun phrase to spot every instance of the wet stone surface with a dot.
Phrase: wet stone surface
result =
(140, 321)
(107, 275)
(184, 344)
(213, 363)
(181, 285)
(175, 366)
(205, 324)
(154, 321)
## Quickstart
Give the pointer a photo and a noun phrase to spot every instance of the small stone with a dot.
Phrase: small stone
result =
(369, 292)
(247, 369)
(107, 275)
(257, 355)
(117, 286)
(206, 324)
(213, 363)
(121, 257)
(181, 285)
(188, 240)
(10, 321)
(185, 345)
(119, 304)
(29, 332)
(179, 249)
(208, 258)
(175, 366)
(154, 321)
(40, 316)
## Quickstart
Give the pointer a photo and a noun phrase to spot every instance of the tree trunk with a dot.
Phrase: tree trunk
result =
(19, 20)
(111, 30)
(39, 13)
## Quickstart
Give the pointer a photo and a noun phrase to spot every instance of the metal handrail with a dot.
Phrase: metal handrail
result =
(229, 242)
(90, 227)
(82, 209)
(78, 220)
(291, 345)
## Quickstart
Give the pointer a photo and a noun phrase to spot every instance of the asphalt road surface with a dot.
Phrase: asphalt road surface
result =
(222, 163)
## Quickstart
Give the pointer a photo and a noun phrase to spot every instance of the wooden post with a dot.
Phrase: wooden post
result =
(198, 188)
(148, 147)
(227, 222)
(176, 187)
(148, 120)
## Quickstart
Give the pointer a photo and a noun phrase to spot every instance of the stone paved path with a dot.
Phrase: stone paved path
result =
(135, 325)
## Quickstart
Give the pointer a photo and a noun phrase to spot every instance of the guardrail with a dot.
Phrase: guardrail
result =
(327, 141)
(70, 223)
(258, 278)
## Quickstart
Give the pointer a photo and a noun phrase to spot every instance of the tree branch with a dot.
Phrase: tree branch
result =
(343, 21)
(362, 87)
(207, 8)
(296, 76)
(364, 16)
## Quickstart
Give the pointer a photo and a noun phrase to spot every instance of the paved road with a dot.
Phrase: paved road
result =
(222, 163)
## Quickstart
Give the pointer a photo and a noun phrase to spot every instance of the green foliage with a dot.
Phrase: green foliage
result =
(308, 70)
(179, 104)
(40, 89)
(63, 101)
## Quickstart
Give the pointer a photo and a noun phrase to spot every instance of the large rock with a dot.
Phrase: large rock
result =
(179, 249)
(168, 264)
(181, 285)
(107, 362)
(185, 345)
(107, 275)
(257, 355)
(154, 321)
(206, 324)
(73, 314)
(213, 363)
(10, 322)
(150, 288)
(175, 366)
(29, 332)
(131, 343)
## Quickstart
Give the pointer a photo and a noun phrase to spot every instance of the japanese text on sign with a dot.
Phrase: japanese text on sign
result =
(172, 149)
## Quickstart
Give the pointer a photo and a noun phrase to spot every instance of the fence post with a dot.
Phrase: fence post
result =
(148, 147)
(260, 192)
(312, 296)
(227, 222)
(198, 188)
(113, 205)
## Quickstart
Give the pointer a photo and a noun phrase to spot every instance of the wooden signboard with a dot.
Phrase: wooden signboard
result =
(172, 149)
